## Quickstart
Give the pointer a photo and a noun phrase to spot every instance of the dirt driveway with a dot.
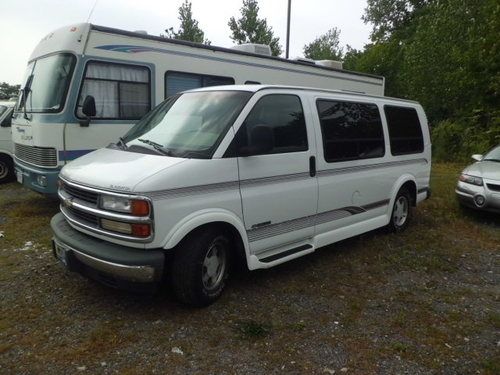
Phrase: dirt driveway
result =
(422, 302)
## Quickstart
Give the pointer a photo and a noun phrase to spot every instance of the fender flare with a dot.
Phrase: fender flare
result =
(397, 185)
(202, 217)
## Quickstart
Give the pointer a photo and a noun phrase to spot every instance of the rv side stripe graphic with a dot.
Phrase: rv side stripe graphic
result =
(272, 230)
(125, 48)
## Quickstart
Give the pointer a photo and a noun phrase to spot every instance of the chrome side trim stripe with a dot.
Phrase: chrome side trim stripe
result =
(260, 233)
(358, 168)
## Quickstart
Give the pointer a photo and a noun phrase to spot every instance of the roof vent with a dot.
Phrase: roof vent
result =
(330, 63)
(259, 49)
(142, 32)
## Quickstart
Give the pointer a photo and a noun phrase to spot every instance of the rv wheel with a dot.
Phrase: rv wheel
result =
(6, 169)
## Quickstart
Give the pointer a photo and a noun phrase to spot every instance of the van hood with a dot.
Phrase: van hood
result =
(116, 170)
(485, 169)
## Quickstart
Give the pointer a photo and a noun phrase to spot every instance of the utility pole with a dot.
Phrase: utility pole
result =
(288, 30)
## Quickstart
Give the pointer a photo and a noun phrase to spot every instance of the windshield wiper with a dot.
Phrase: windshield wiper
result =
(121, 143)
(158, 147)
(497, 160)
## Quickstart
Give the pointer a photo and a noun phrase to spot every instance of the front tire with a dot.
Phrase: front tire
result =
(200, 267)
(6, 169)
(401, 212)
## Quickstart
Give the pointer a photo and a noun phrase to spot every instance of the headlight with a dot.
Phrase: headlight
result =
(136, 207)
(471, 179)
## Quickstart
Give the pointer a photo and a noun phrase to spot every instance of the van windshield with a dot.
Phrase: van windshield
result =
(46, 83)
(189, 125)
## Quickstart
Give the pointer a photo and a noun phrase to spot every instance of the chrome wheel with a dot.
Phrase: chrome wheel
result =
(400, 212)
(214, 266)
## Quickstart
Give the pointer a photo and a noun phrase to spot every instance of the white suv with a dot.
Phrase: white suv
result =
(257, 175)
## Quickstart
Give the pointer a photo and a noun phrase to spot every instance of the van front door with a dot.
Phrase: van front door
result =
(278, 188)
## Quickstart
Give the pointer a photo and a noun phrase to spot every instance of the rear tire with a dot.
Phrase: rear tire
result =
(200, 267)
(401, 212)
(6, 169)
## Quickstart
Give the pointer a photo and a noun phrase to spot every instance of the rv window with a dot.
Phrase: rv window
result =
(284, 115)
(176, 82)
(405, 133)
(350, 130)
(120, 91)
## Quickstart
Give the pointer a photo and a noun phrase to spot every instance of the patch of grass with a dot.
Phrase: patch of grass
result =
(494, 318)
(399, 346)
(251, 329)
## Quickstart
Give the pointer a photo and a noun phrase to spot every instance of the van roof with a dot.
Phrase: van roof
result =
(255, 88)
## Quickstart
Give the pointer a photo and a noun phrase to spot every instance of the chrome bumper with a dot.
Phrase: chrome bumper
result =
(141, 274)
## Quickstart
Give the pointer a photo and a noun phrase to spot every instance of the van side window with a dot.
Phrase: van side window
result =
(405, 132)
(350, 130)
(120, 91)
(285, 116)
(176, 82)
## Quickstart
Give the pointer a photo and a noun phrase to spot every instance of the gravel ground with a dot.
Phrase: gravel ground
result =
(422, 302)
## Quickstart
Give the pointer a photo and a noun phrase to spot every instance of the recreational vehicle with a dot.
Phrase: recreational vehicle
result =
(86, 85)
(248, 175)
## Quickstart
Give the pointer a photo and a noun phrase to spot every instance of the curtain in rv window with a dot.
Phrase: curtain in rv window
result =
(120, 91)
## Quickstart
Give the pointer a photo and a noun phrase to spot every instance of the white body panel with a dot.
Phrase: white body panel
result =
(279, 208)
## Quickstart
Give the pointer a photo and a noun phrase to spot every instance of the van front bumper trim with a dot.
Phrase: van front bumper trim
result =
(75, 249)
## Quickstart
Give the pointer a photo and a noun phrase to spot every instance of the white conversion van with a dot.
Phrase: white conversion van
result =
(253, 174)
(124, 75)
(6, 162)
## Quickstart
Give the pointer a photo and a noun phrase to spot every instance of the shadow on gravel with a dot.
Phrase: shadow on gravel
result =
(481, 217)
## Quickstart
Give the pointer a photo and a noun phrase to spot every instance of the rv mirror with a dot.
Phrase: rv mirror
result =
(261, 141)
(88, 107)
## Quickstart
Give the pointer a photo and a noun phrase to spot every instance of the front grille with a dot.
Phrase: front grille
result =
(86, 217)
(493, 187)
(39, 156)
(84, 195)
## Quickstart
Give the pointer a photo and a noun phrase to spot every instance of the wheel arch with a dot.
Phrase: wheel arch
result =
(407, 181)
(225, 221)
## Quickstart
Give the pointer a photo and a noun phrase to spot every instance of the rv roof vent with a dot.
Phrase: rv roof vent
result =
(260, 49)
(305, 60)
(330, 63)
(142, 32)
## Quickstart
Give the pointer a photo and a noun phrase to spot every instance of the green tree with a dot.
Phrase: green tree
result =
(251, 29)
(8, 91)
(325, 47)
(388, 16)
(189, 29)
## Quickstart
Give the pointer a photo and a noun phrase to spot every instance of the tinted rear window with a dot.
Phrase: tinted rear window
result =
(405, 132)
(350, 130)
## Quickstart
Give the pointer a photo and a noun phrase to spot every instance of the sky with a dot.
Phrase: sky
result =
(25, 23)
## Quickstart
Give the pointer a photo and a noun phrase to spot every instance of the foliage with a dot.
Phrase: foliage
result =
(458, 140)
(8, 91)
(388, 16)
(251, 29)
(189, 29)
(325, 47)
(446, 55)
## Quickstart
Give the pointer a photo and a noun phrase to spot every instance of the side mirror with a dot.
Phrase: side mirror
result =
(7, 121)
(88, 109)
(477, 157)
(261, 141)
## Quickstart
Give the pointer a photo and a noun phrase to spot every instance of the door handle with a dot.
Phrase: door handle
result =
(312, 166)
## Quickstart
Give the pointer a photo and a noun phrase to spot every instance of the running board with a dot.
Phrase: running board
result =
(284, 254)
